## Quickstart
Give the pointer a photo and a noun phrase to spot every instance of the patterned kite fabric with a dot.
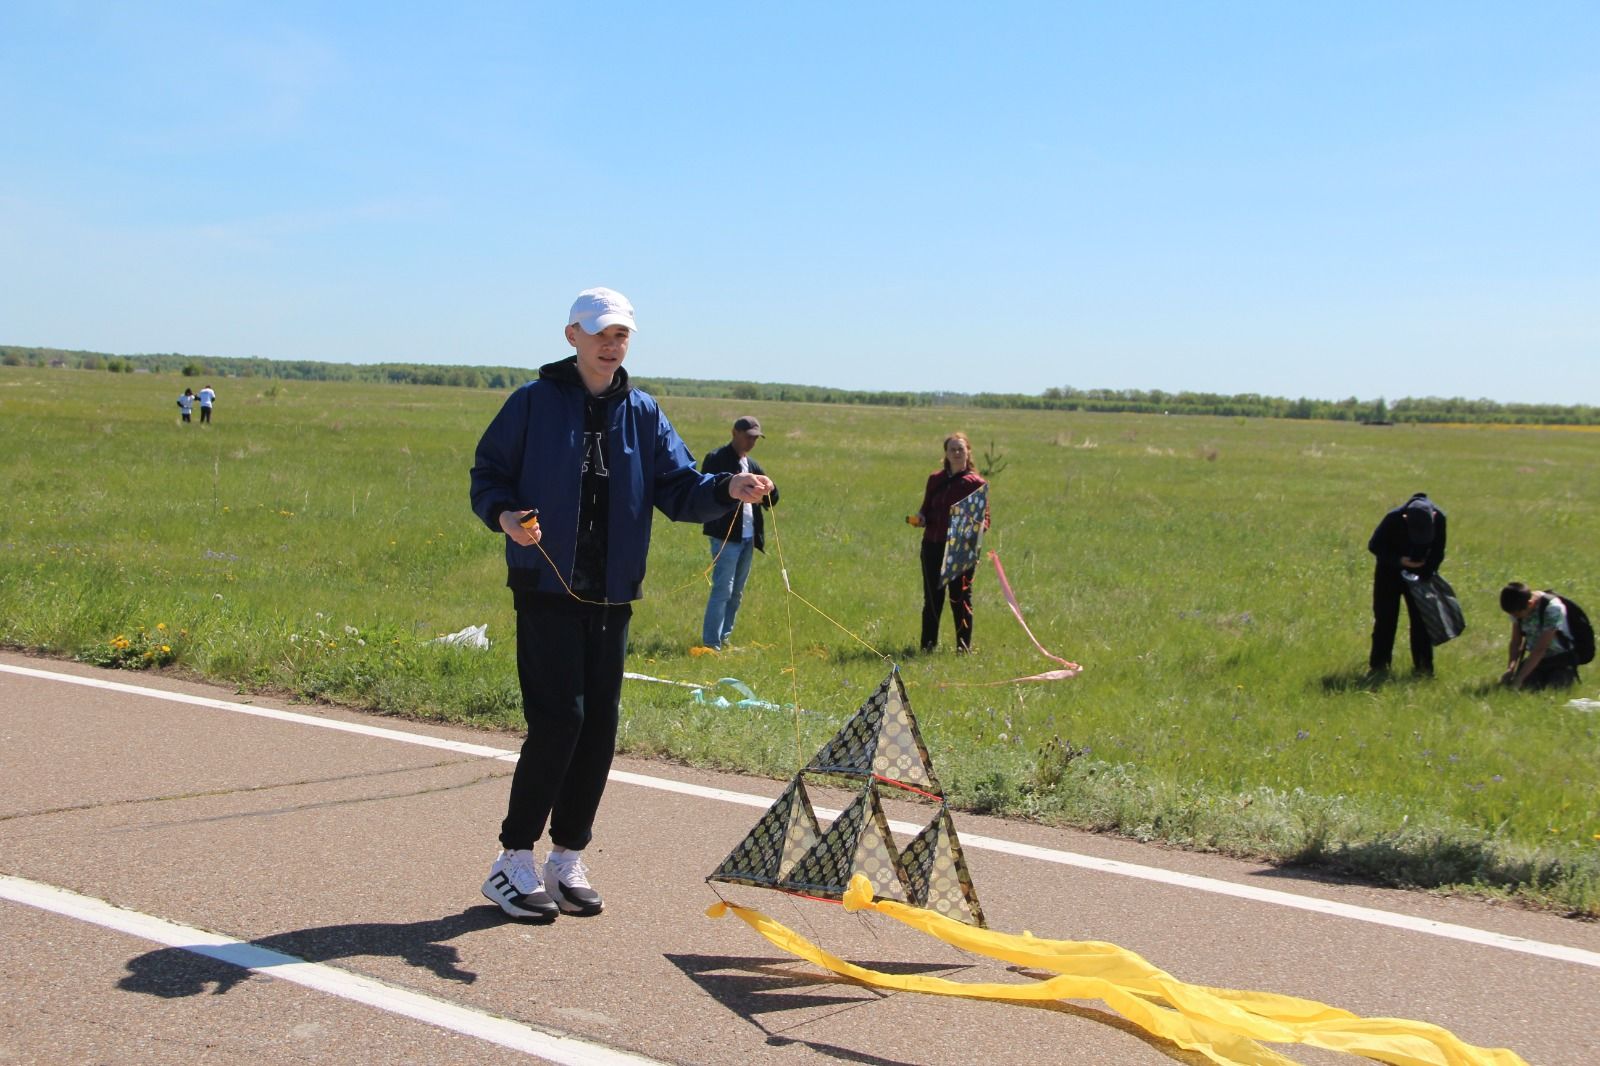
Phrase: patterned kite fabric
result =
(882, 739)
(779, 840)
(935, 872)
(858, 842)
(965, 539)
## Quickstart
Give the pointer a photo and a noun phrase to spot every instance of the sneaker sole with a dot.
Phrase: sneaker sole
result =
(573, 907)
(531, 917)
(577, 910)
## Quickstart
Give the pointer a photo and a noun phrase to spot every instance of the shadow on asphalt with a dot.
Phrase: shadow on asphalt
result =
(750, 987)
(179, 971)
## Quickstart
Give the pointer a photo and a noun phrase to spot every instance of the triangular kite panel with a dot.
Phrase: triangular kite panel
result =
(857, 842)
(882, 738)
(783, 835)
(935, 872)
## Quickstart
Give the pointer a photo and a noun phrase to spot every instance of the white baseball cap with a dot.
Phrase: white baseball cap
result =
(595, 309)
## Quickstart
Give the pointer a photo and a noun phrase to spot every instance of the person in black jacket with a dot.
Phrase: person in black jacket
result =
(735, 535)
(1411, 538)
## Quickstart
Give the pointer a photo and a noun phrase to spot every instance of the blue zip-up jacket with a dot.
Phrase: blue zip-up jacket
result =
(532, 456)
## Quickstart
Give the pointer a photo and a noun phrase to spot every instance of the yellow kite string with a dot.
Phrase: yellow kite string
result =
(784, 567)
(1222, 1024)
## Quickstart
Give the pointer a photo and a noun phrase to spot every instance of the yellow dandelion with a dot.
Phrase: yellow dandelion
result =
(161, 627)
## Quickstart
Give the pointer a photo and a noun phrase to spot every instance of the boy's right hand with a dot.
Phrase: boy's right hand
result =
(511, 524)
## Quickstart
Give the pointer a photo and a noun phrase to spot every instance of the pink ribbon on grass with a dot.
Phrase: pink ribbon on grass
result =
(1069, 669)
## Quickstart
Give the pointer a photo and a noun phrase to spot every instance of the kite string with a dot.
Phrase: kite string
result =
(783, 567)
(704, 574)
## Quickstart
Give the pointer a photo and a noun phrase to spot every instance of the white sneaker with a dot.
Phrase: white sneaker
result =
(566, 880)
(515, 885)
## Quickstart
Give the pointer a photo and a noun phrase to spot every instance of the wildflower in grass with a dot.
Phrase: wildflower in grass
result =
(1496, 777)
(161, 627)
(1302, 734)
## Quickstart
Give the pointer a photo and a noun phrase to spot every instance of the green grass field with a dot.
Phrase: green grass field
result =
(1210, 574)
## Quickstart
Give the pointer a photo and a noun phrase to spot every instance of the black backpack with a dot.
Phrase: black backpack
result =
(1582, 631)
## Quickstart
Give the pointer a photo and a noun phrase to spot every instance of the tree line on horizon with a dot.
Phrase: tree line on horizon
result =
(1063, 398)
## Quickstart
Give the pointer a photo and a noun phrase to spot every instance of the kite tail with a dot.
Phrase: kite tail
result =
(1069, 669)
(1221, 1024)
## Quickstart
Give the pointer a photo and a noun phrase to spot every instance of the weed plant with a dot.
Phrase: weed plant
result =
(1210, 574)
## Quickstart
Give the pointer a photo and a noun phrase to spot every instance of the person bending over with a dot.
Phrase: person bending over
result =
(1541, 653)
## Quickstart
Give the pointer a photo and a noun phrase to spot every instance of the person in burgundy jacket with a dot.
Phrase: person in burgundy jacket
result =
(947, 486)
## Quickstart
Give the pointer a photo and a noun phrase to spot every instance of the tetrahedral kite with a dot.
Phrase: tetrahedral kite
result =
(926, 886)
(880, 746)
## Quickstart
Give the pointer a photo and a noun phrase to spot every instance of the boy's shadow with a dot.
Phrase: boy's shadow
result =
(186, 971)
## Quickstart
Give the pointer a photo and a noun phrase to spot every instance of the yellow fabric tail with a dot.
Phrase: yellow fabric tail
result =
(1222, 1024)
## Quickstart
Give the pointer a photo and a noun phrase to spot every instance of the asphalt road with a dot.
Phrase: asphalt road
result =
(185, 882)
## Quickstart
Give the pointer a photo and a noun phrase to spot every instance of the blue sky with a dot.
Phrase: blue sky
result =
(1291, 199)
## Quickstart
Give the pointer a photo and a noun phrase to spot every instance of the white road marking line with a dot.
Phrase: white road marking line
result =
(568, 1051)
(1371, 915)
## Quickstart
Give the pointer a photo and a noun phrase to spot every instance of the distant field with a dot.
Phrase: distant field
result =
(1210, 574)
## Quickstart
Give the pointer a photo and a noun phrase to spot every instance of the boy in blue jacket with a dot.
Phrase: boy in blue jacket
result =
(569, 471)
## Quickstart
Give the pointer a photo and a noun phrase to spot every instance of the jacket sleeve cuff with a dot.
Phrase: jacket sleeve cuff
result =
(492, 513)
(719, 491)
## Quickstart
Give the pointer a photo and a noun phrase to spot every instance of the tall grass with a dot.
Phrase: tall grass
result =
(1210, 574)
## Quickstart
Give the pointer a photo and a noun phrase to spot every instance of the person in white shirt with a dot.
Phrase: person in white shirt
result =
(735, 536)
(1541, 654)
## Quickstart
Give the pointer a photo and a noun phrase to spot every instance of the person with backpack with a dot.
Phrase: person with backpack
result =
(1409, 540)
(1547, 634)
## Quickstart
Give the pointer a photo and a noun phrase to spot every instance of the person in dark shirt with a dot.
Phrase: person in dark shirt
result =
(1410, 538)
(735, 537)
(953, 482)
(569, 472)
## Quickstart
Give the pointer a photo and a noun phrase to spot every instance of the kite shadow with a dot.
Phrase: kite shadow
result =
(174, 972)
(752, 987)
